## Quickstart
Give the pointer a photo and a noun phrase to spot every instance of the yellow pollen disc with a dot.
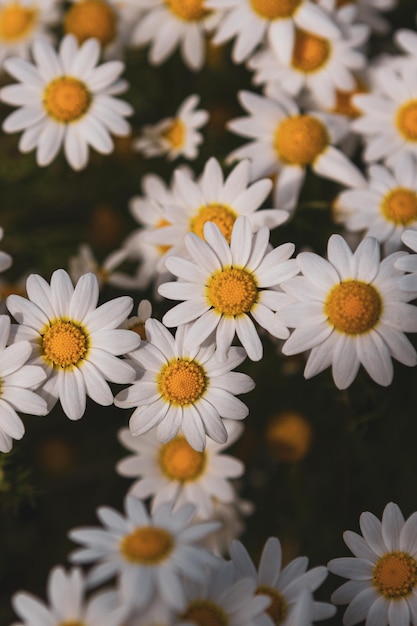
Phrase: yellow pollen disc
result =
(179, 461)
(16, 21)
(395, 575)
(407, 120)
(66, 99)
(220, 214)
(182, 382)
(310, 52)
(353, 307)
(147, 545)
(161, 224)
(64, 344)
(400, 206)
(274, 9)
(300, 139)
(232, 291)
(175, 133)
(205, 613)
(91, 18)
(188, 10)
(277, 610)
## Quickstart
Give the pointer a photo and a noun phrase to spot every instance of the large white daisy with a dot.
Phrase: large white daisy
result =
(65, 100)
(383, 571)
(75, 341)
(183, 388)
(350, 310)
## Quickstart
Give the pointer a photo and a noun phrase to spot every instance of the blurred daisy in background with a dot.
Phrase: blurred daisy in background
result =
(231, 516)
(106, 273)
(364, 11)
(65, 99)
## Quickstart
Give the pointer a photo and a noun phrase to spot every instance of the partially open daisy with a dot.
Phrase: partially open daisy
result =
(286, 141)
(383, 571)
(182, 388)
(75, 341)
(65, 100)
(175, 136)
(151, 554)
(350, 310)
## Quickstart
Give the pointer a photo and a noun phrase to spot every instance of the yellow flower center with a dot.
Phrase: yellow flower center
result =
(175, 133)
(223, 216)
(64, 344)
(300, 139)
(16, 21)
(147, 545)
(275, 9)
(288, 436)
(188, 10)
(91, 18)
(232, 291)
(353, 307)
(205, 613)
(400, 206)
(310, 52)
(182, 382)
(277, 610)
(179, 461)
(407, 120)
(66, 99)
(395, 575)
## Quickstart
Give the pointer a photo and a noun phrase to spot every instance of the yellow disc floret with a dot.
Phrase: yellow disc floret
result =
(91, 18)
(310, 52)
(274, 9)
(187, 10)
(147, 545)
(406, 119)
(16, 21)
(175, 133)
(277, 610)
(400, 206)
(395, 575)
(179, 461)
(182, 382)
(223, 216)
(66, 99)
(205, 613)
(64, 344)
(300, 139)
(232, 291)
(353, 307)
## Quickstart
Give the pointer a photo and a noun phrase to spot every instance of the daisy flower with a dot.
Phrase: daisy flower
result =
(383, 571)
(224, 286)
(75, 341)
(85, 261)
(65, 99)
(408, 263)
(231, 516)
(151, 554)
(285, 141)
(253, 22)
(350, 310)
(137, 322)
(18, 382)
(175, 136)
(285, 587)
(177, 387)
(174, 471)
(365, 11)
(67, 603)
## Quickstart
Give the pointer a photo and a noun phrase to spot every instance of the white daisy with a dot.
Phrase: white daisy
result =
(174, 471)
(85, 261)
(137, 322)
(151, 554)
(181, 388)
(350, 310)
(383, 571)
(224, 286)
(75, 341)
(67, 603)
(18, 382)
(285, 141)
(175, 136)
(231, 516)
(65, 99)
(285, 587)
(366, 11)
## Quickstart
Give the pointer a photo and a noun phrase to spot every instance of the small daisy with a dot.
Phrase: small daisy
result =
(75, 341)
(68, 605)
(151, 554)
(285, 587)
(66, 99)
(175, 136)
(137, 322)
(383, 571)
(285, 141)
(174, 471)
(224, 286)
(18, 382)
(179, 388)
(85, 261)
(408, 263)
(350, 310)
